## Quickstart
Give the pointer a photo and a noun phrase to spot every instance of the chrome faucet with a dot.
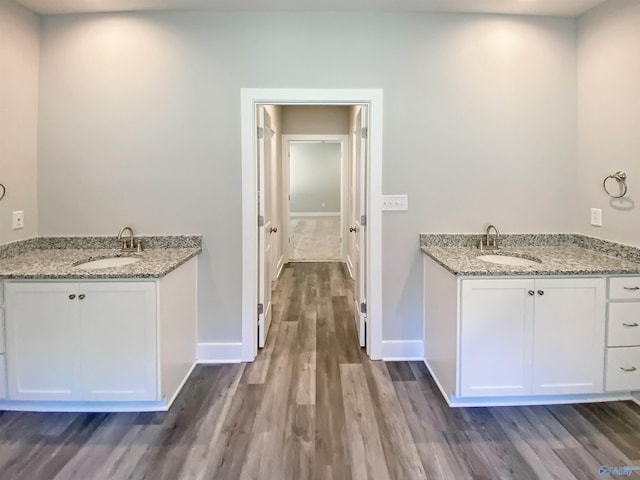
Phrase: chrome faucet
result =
(490, 241)
(132, 246)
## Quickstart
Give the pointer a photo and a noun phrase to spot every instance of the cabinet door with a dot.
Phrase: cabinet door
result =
(569, 328)
(118, 341)
(496, 337)
(42, 343)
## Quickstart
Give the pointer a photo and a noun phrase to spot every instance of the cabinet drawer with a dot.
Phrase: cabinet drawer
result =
(3, 376)
(623, 288)
(2, 327)
(623, 369)
(624, 325)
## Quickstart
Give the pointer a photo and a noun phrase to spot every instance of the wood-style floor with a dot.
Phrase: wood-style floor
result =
(314, 239)
(314, 406)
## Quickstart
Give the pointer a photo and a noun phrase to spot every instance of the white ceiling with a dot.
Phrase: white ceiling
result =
(565, 8)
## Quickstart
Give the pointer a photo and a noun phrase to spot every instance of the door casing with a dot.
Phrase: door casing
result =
(249, 98)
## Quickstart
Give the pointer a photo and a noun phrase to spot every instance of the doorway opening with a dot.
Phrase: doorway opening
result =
(315, 196)
(360, 211)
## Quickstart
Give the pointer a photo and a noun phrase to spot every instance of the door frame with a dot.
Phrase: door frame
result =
(286, 169)
(249, 98)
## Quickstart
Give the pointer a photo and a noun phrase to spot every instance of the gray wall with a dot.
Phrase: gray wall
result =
(315, 177)
(609, 117)
(140, 124)
(315, 119)
(19, 57)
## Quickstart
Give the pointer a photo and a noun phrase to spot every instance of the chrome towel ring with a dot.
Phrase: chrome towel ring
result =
(2, 191)
(621, 178)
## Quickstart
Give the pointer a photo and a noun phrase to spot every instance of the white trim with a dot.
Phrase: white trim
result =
(219, 352)
(314, 214)
(438, 384)
(401, 350)
(279, 266)
(538, 400)
(249, 98)
(40, 406)
(184, 380)
(455, 402)
(636, 397)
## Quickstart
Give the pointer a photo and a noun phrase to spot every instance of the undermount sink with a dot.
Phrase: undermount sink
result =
(509, 260)
(108, 262)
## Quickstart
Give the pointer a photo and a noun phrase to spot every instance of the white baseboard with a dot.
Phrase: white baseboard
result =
(219, 352)
(349, 266)
(279, 266)
(395, 350)
(314, 214)
(636, 397)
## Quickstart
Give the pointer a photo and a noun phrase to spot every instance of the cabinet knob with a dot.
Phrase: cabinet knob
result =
(632, 369)
(540, 292)
(531, 292)
(81, 296)
(72, 296)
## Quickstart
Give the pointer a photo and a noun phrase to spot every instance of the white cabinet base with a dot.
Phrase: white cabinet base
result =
(516, 401)
(39, 406)
(105, 346)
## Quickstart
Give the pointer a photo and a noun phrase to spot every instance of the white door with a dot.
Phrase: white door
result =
(42, 324)
(569, 336)
(358, 231)
(265, 226)
(118, 341)
(495, 337)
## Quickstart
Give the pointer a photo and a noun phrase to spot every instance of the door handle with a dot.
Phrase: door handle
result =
(540, 292)
(72, 296)
(352, 229)
(631, 288)
(81, 296)
(630, 324)
(531, 292)
(632, 369)
(273, 230)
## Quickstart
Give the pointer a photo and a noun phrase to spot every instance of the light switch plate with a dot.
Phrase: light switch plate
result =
(596, 217)
(18, 220)
(395, 202)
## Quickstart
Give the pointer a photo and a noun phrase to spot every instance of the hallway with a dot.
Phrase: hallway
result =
(313, 405)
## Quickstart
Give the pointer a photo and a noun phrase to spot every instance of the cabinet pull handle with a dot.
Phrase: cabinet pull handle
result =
(531, 292)
(632, 369)
(72, 296)
(81, 296)
(630, 324)
(632, 288)
(540, 292)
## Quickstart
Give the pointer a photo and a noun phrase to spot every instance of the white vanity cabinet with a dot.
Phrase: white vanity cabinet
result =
(3, 360)
(493, 338)
(100, 345)
(531, 336)
(568, 336)
(81, 341)
(496, 332)
(623, 334)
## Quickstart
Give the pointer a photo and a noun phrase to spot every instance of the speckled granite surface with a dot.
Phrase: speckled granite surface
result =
(61, 263)
(58, 257)
(16, 248)
(506, 240)
(558, 254)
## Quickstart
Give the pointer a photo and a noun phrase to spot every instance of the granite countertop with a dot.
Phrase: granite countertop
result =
(62, 263)
(554, 260)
